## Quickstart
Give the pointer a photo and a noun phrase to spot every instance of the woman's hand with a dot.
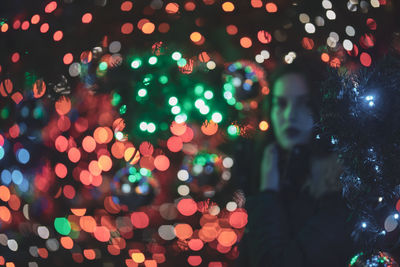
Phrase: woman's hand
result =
(269, 169)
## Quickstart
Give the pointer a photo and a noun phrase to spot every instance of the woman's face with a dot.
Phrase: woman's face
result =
(291, 114)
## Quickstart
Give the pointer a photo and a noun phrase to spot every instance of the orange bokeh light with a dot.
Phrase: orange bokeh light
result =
(6, 87)
(209, 128)
(14, 131)
(87, 18)
(63, 106)
(68, 58)
(178, 128)
(74, 155)
(194, 260)
(90, 254)
(105, 163)
(271, 7)
(227, 237)
(174, 143)
(85, 177)
(14, 202)
(4, 193)
(101, 135)
(87, 223)
(228, 6)
(61, 143)
(4, 27)
(78, 212)
(127, 28)
(161, 162)
(50, 7)
(246, 42)
(139, 220)
(58, 35)
(94, 168)
(172, 8)
(183, 231)
(148, 28)
(67, 242)
(325, 57)
(44, 28)
(89, 144)
(146, 149)
(15, 57)
(102, 233)
(117, 150)
(25, 25)
(69, 191)
(187, 206)
(35, 19)
(61, 170)
(39, 88)
(126, 6)
(195, 37)
(195, 244)
(190, 6)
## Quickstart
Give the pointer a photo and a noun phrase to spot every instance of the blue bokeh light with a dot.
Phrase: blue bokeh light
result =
(17, 177)
(23, 155)
(6, 177)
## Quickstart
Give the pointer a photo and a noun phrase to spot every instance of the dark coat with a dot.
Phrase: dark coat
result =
(290, 227)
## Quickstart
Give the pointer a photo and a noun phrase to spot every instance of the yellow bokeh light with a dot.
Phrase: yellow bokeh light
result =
(138, 257)
(195, 37)
(228, 6)
(263, 126)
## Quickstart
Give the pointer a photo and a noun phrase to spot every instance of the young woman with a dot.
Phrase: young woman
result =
(296, 214)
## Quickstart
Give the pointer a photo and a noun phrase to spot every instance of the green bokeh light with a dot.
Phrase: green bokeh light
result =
(132, 170)
(122, 109)
(62, 226)
(176, 56)
(38, 112)
(143, 126)
(216, 117)
(233, 130)
(239, 106)
(228, 95)
(172, 101)
(208, 94)
(231, 101)
(151, 127)
(136, 63)
(145, 172)
(181, 62)
(103, 66)
(176, 110)
(181, 118)
(142, 92)
(163, 79)
(153, 60)
(198, 89)
(116, 99)
(228, 87)
(5, 112)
